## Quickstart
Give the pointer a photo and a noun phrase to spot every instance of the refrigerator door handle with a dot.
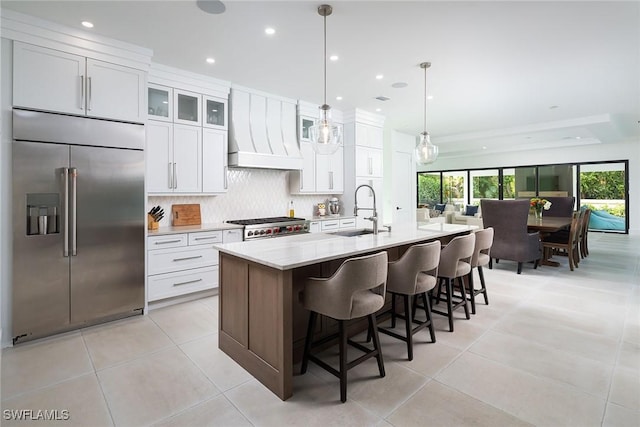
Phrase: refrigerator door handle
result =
(74, 214)
(65, 221)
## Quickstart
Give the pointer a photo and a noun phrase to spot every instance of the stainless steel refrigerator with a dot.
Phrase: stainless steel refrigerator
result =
(78, 222)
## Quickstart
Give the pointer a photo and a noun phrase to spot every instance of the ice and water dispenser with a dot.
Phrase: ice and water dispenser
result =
(43, 213)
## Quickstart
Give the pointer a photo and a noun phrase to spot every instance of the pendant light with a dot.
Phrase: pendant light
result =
(325, 135)
(426, 152)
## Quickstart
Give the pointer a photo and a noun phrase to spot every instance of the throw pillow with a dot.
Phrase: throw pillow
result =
(440, 207)
(471, 210)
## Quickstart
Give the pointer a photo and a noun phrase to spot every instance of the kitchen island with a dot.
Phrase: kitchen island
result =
(262, 324)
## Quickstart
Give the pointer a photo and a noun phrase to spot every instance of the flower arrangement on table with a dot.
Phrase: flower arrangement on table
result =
(538, 205)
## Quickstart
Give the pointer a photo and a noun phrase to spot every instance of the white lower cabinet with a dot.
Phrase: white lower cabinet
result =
(330, 224)
(179, 264)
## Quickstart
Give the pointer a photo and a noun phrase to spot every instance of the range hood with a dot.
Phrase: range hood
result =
(262, 133)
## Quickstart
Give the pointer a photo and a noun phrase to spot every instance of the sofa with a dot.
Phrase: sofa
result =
(472, 215)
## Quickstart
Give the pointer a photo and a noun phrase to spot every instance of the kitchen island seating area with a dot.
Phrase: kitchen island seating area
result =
(357, 289)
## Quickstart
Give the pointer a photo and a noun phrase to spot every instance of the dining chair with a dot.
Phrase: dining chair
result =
(355, 290)
(567, 241)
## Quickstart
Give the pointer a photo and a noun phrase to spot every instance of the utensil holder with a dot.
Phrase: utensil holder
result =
(152, 224)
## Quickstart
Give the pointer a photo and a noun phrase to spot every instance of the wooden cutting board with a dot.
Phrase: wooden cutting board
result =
(185, 214)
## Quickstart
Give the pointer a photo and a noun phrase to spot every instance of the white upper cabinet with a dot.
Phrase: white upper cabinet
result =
(214, 112)
(329, 173)
(159, 153)
(368, 161)
(214, 161)
(187, 107)
(53, 80)
(160, 102)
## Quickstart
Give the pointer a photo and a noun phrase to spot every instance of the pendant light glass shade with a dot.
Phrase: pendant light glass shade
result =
(326, 136)
(426, 152)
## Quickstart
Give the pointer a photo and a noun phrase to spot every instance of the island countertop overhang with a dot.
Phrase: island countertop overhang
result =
(285, 253)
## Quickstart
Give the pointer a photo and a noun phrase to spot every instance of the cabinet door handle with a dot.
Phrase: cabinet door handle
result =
(82, 92)
(170, 175)
(164, 242)
(187, 258)
(330, 180)
(175, 176)
(370, 161)
(89, 92)
(301, 179)
(226, 183)
(187, 282)
(205, 238)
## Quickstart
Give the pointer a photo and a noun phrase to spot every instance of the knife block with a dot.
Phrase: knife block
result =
(152, 224)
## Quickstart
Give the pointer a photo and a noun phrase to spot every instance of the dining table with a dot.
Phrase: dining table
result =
(546, 226)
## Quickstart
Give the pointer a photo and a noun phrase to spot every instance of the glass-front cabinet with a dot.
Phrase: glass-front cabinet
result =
(186, 106)
(214, 112)
(160, 102)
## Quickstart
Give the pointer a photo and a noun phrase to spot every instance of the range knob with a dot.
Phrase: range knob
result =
(268, 231)
(289, 228)
(261, 232)
(297, 227)
(250, 233)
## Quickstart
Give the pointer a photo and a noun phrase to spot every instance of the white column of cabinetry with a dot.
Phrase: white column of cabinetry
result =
(363, 154)
(186, 133)
(321, 174)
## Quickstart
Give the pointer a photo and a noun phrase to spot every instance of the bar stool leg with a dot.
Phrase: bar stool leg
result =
(427, 309)
(408, 325)
(376, 344)
(343, 361)
(449, 302)
(464, 297)
(472, 293)
(307, 344)
(484, 287)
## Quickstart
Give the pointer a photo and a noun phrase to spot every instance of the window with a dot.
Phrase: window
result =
(603, 189)
(453, 188)
(484, 185)
(429, 186)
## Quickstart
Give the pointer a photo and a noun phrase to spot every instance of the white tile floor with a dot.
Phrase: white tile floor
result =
(553, 348)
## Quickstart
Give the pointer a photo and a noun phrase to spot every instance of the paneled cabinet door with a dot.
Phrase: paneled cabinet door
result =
(214, 161)
(214, 112)
(368, 162)
(48, 79)
(187, 107)
(368, 136)
(330, 172)
(159, 161)
(115, 92)
(308, 171)
(187, 152)
(159, 102)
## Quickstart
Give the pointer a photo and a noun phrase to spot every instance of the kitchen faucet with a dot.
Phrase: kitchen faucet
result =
(374, 217)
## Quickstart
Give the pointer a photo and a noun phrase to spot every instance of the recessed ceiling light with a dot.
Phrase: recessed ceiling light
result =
(430, 97)
(578, 137)
(210, 60)
(378, 109)
(87, 24)
(379, 77)
(270, 31)
(399, 85)
(338, 98)
(334, 57)
(484, 147)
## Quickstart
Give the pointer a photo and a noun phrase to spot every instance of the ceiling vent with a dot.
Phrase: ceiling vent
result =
(382, 98)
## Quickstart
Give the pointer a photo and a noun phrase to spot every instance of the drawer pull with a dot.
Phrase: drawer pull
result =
(164, 242)
(205, 238)
(187, 258)
(188, 282)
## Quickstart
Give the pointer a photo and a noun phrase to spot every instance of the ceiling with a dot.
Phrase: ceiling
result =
(505, 75)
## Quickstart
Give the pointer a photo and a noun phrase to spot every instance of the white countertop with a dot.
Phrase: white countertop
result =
(284, 253)
(193, 228)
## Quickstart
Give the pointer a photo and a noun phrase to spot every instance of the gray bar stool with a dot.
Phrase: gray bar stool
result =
(481, 258)
(355, 290)
(412, 276)
(455, 262)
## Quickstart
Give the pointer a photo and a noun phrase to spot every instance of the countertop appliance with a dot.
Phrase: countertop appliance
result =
(334, 206)
(78, 222)
(272, 227)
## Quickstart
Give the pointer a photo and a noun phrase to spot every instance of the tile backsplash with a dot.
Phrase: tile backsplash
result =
(252, 193)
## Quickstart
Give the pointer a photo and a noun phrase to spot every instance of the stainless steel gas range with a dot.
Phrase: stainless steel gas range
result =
(259, 228)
